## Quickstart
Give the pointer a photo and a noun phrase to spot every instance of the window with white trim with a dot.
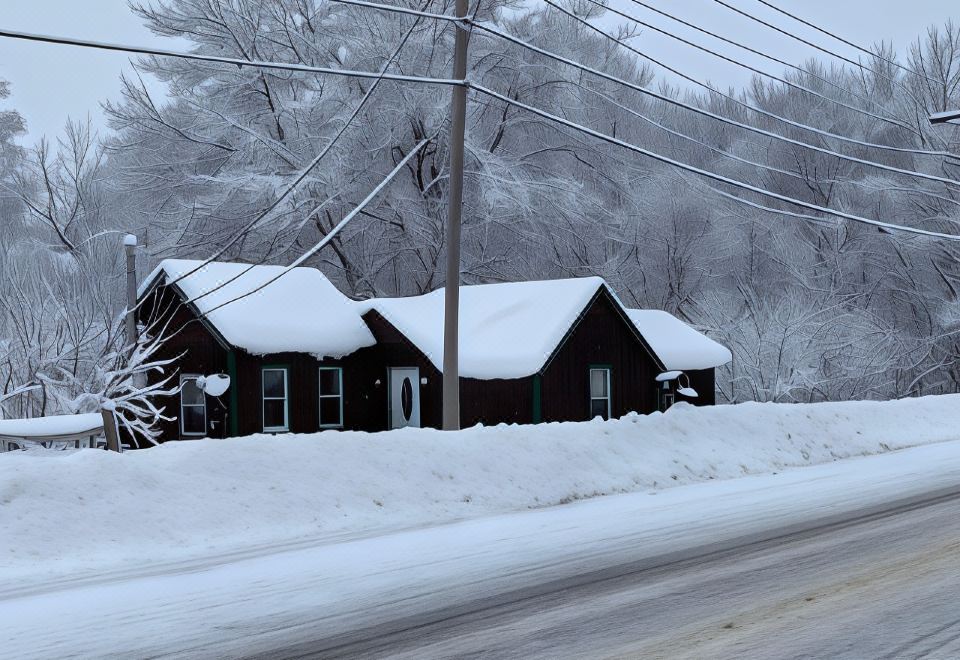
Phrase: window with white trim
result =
(331, 397)
(599, 393)
(193, 407)
(276, 407)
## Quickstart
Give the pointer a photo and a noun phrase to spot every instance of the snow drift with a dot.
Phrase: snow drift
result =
(68, 512)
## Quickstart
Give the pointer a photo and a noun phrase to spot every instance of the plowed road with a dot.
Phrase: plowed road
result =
(883, 585)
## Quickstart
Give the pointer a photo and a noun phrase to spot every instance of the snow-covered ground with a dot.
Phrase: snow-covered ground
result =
(77, 513)
(257, 604)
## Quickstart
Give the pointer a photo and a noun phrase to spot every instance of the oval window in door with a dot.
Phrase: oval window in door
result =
(406, 399)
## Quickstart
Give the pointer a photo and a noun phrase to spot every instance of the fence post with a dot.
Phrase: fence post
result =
(110, 427)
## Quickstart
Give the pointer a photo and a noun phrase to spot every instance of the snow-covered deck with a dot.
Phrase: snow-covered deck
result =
(56, 428)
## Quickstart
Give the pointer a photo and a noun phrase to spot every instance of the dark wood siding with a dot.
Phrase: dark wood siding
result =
(704, 382)
(194, 351)
(602, 337)
(481, 401)
(491, 402)
(393, 349)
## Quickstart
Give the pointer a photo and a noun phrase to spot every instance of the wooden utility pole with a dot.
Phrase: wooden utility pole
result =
(451, 318)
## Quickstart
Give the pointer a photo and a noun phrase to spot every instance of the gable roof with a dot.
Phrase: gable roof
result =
(507, 330)
(301, 312)
(679, 347)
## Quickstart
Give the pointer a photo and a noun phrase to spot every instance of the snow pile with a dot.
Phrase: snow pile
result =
(678, 346)
(507, 330)
(77, 511)
(301, 312)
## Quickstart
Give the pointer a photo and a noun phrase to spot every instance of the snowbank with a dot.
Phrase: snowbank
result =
(76, 511)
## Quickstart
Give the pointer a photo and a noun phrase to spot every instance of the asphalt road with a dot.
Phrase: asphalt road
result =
(882, 584)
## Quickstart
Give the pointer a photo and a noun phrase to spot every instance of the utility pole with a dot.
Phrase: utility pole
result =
(130, 246)
(451, 317)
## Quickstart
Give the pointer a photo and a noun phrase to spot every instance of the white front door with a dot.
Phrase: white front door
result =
(404, 397)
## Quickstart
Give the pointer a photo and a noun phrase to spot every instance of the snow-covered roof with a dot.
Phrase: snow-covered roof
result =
(507, 330)
(301, 312)
(678, 346)
(55, 427)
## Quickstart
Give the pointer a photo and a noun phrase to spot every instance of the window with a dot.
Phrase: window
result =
(193, 407)
(331, 397)
(600, 393)
(275, 408)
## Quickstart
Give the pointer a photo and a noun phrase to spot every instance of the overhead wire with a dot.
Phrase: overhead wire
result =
(842, 40)
(807, 42)
(334, 231)
(240, 63)
(708, 174)
(748, 106)
(698, 110)
(753, 108)
(302, 176)
(761, 111)
(760, 72)
(313, 164)
(755, 51)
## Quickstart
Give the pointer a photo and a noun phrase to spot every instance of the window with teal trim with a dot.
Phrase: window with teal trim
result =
(275, 400)
(331, 397)
(600, 393)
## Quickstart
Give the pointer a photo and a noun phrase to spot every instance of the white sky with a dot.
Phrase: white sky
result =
(52, 83)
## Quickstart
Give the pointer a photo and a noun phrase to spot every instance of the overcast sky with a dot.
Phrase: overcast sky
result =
(51, 83)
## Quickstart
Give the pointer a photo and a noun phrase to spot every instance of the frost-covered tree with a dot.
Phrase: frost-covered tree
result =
(811, 309)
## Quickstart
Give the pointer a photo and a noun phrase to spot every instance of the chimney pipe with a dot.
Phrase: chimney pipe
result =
(130, 246)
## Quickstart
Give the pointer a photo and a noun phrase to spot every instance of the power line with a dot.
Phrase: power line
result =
(707, 174)
(716, 150)
(313, 164)
(316, 161)
(756, 109)
(893, 121)
(697, 110)
(401, 10)
(333, 232)
(256, 64)
(784, 81)
(787, 33)
(757, 52)
(848, 42)
(743, 104)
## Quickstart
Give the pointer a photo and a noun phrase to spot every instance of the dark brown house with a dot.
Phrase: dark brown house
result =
(303, 357)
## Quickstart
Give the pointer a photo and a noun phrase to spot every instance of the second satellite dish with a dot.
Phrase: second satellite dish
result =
(214, 385)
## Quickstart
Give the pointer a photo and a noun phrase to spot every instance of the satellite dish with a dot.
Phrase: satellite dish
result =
(214, 385)
(688, 392)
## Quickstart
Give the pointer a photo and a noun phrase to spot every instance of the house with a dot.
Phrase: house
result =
(301, 356)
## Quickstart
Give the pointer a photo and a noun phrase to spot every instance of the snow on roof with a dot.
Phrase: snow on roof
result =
(51, 428)
(507, 330)
(678, 346)
(302, 312)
